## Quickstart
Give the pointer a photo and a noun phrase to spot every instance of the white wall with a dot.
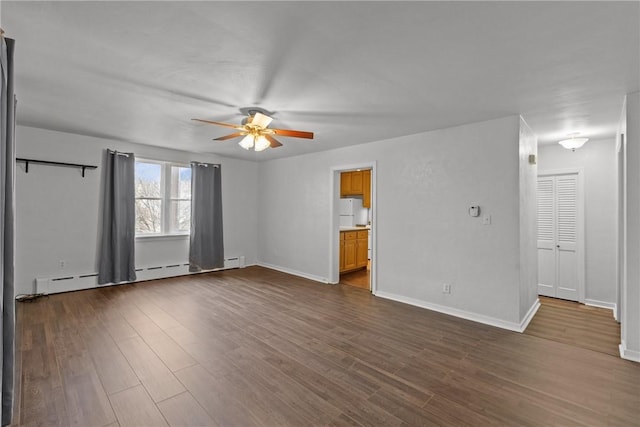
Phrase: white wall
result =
(425, 237)
(57, 210)
(528, 173)
(630, 313)
(598, 159)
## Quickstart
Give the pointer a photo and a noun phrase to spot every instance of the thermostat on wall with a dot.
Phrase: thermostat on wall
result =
(474, 211)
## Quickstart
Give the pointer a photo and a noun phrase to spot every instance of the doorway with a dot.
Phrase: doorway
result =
(353, 255)
(561, 235)
(359, 278)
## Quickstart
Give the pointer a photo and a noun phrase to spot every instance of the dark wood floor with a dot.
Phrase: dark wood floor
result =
(359, 278)
(576, 324)
(258, 347)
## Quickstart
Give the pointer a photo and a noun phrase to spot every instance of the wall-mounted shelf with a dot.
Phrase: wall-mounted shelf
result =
(47, 162)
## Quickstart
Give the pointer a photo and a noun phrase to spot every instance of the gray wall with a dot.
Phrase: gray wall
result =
(528, 220)
(424, 235)
(598, 158)
(57, 210)
(280, 212)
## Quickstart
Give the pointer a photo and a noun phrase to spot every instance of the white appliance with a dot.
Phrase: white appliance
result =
(352, 212)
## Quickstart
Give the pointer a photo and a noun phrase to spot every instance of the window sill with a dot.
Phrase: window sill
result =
(150, 237)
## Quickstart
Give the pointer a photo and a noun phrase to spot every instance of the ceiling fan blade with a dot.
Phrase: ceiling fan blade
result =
(229, 125)
(274, 142)
(231, 136)
(293, 133)
(261, 120)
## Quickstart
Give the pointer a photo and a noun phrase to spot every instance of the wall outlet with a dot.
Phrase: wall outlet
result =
(62, 264)
(446, 288)
(486, 220)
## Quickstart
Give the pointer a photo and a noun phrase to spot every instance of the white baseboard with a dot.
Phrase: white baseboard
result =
(293, 272)
(527, 318)
(475, 317)
(627, 354)
(601, 304)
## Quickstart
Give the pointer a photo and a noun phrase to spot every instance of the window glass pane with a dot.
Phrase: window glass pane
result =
(180, 183)
(180, 216)
(148, 179)
(148, 216)
(155, 182)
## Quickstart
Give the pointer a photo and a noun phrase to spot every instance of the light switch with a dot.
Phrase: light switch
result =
(486, 220)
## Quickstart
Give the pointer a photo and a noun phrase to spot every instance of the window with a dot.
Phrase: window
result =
(163, 198)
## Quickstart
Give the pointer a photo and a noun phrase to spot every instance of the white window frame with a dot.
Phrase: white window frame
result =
(166, 199)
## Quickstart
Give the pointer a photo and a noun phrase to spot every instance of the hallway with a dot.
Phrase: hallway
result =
(576, 324)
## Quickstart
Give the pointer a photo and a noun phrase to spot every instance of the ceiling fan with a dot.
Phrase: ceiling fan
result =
(257, 134)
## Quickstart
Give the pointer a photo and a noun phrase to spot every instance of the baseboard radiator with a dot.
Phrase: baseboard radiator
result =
(66, 283)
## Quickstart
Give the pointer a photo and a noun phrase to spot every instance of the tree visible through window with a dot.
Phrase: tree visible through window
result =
(180, 199)
(148, 197)
(163, 198)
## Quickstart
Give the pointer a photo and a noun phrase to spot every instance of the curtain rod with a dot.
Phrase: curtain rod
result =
(206, 165)
(48, 162)
(117, 153)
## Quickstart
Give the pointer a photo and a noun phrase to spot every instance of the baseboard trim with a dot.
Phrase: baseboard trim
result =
(529, 316)
(293, 272)
(601, 304)
(474, 317)
(627, 354)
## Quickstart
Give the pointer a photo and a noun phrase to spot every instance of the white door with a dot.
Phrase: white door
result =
(560, 264)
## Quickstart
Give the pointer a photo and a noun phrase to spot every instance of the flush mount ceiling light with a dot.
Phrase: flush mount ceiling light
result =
(572, 143)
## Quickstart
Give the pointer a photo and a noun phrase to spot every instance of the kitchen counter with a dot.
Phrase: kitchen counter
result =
(353, 228)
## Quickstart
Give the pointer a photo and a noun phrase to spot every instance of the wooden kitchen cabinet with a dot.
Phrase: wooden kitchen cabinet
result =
(353, 250)
(341, 252)
(362, 249)
(345, 184)
(357, 183)
(366, 188)
(351, 183)
(350, 241)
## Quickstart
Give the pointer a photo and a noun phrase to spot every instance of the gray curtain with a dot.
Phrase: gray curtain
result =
(7, 183)
(117, 245)
(206, 248)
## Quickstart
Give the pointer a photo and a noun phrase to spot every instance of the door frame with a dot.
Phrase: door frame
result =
(580, 226)
(620, 158)
(334, 222)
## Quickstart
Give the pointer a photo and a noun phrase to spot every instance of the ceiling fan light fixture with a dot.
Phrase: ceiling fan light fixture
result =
(246, 142)
(260, 120)
(261, 143)
(255, 131)
(573, 143)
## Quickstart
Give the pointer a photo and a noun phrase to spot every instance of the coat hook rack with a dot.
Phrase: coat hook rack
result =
(47, 162)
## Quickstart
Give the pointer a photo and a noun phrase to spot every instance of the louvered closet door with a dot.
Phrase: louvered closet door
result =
(546, 237)
(558, 262)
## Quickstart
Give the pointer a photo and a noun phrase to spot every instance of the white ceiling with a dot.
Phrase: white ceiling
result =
(352, 72)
